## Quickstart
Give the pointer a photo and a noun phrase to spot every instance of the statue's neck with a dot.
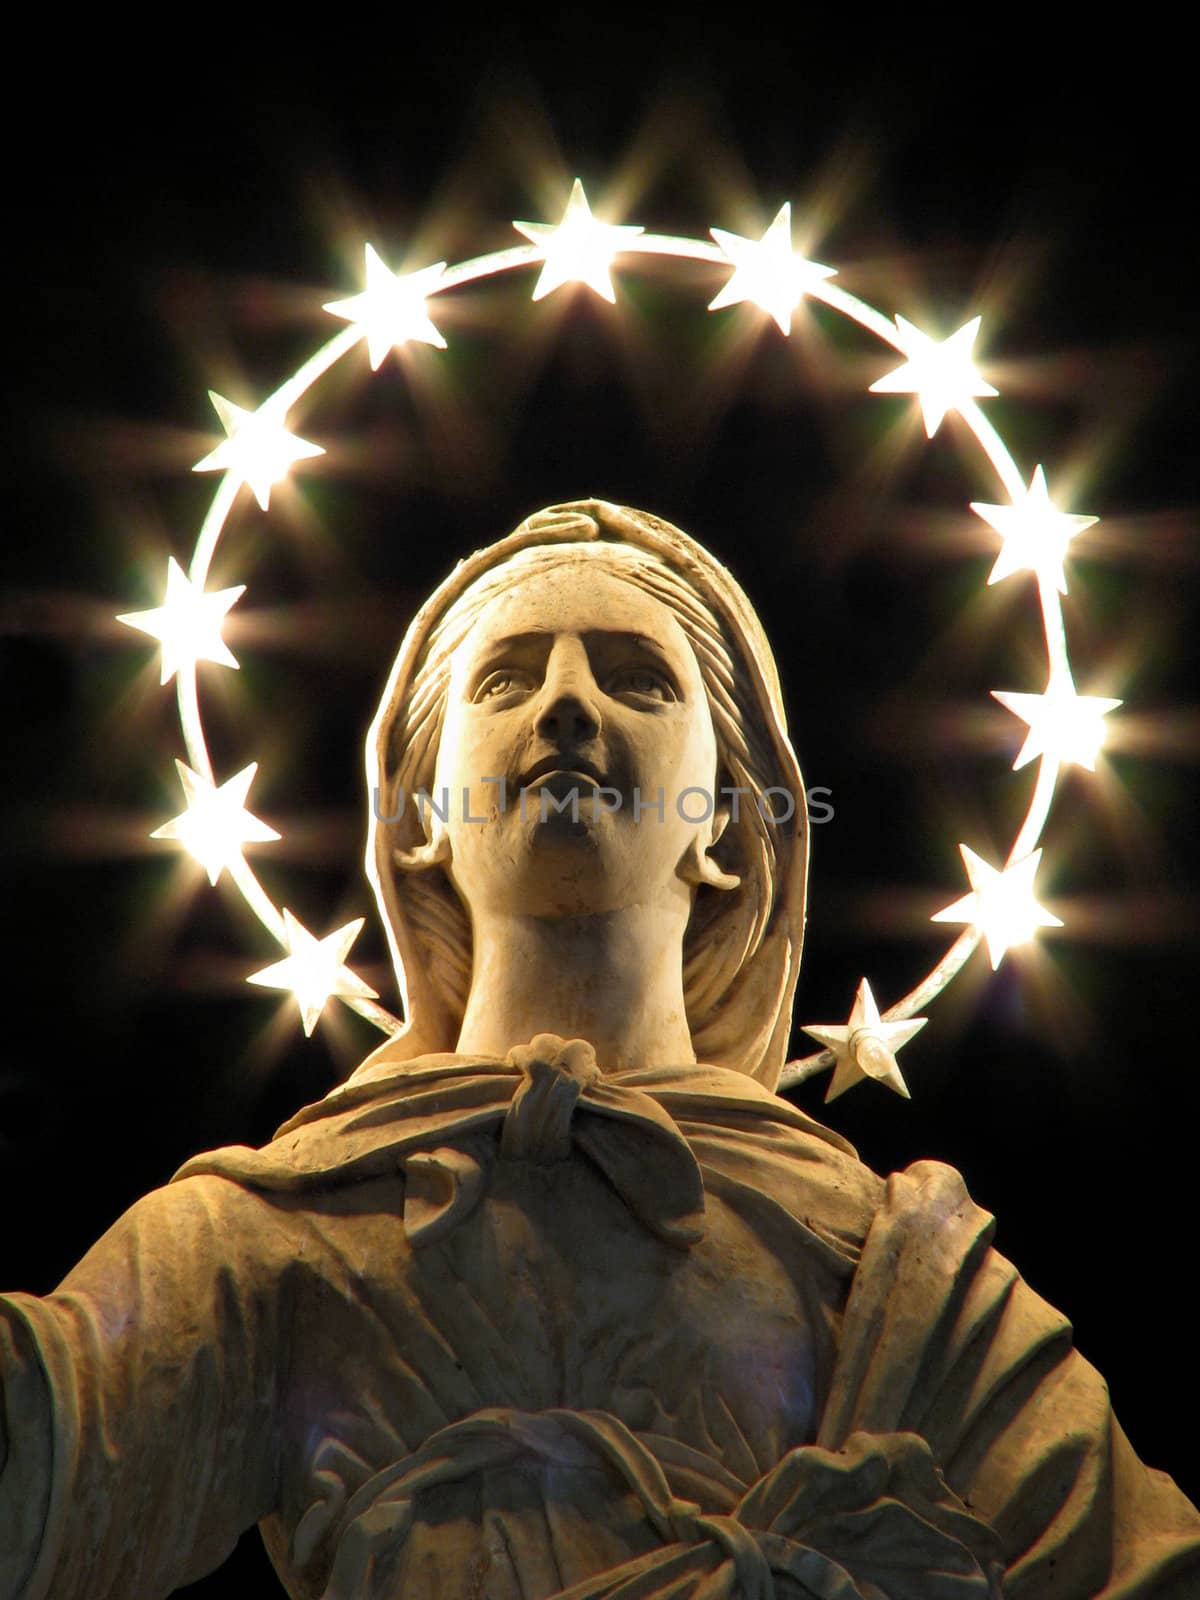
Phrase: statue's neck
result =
(615, 980)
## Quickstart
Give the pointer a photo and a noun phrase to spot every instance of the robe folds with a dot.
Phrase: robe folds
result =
(512, 1329)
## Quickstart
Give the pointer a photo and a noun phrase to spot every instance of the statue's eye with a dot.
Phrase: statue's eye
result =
(643, 681)
(504, 680)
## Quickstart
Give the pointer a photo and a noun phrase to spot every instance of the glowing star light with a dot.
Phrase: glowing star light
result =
(1063, 725)
(216, 824)
(941, 373)
(313, 969)
(865, 1046)
(768, 271)
(392, 310)
(259, 449)
(1035, 534)
(1001, 903)
(579, 249)
(188, 623)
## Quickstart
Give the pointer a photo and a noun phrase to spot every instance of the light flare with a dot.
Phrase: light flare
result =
(392, 311)
(259, 450)
(1063, 725)
(216, 824)
(767, 271)
(188, 623)
(1001, 904)
(1034, 534)
(940, 373)
(579, 249)
(313, 969)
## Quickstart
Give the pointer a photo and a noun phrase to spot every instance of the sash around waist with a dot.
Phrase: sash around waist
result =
(572, 1505)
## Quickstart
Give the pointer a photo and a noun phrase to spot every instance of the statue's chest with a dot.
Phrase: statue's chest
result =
(555, 1295)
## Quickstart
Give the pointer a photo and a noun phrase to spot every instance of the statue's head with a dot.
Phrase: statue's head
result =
(584, 716)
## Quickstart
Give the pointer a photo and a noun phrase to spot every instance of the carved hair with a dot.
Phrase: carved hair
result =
(726, 927)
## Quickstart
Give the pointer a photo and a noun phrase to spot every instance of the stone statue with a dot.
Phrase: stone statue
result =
(555, 1296)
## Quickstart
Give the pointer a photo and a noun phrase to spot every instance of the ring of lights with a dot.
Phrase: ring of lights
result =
(767, 272)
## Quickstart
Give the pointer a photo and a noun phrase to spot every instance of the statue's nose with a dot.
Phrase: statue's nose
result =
(569, 712)
(568, 716)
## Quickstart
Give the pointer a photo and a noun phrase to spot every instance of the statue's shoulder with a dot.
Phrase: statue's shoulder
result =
(364, 1127)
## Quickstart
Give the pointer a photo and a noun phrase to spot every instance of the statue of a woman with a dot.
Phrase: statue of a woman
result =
(555, 1296)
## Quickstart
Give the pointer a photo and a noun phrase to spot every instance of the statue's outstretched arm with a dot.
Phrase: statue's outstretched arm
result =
(138, 1404)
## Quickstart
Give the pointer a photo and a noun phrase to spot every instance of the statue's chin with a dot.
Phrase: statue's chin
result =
(558, 866)
(563, 868)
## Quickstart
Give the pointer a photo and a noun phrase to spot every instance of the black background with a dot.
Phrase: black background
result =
(176, 218)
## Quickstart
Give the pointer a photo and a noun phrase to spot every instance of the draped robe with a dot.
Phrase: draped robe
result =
(513, 1329)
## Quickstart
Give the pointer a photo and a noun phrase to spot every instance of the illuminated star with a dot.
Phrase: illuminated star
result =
(1034, 532)
(313, 969)
(216, 824)
(865, 1046)
(1062, 724)
(767, 271)
(1001, 903)
(188, 623)
(940, 372)
(392, 310)
(259, 449)
(579, 249)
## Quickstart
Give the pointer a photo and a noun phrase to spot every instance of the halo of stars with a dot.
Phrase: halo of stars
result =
(583, 249)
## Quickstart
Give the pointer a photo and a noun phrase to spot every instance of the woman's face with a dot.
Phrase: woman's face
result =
(577, 756)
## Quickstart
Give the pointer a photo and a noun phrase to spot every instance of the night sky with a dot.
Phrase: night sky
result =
(177, 227)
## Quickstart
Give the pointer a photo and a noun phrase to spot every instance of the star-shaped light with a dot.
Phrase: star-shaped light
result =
(941, 372)
(216, 824)
(313, 969)
(259, 449)
(579, 249)
(391, 311)
(1062, 724)
(1034, 532)
(865, 1046)
(767, 271)
(188, 623)
(1001, 903)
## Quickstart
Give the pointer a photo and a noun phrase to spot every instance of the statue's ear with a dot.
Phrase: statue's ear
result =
(433, 852)
(697, 865)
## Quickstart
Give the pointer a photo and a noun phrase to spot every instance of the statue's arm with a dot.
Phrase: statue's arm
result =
(138, 1402)
(1046, 1460)
(941, 1337)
